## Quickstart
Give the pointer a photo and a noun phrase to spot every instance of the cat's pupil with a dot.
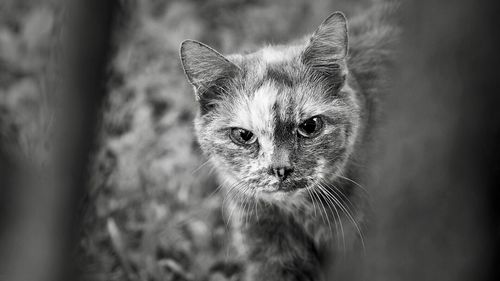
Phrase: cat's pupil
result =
(309, 126)
(245, 135)
(242, 136)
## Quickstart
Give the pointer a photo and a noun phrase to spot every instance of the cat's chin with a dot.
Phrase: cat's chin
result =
(280, 188)
(276, 195)
(279, 196)
(277, 191)
(280, 191)
(285, 187)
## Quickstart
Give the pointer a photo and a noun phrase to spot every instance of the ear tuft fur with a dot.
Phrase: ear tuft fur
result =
(328, 45)
(204, 66)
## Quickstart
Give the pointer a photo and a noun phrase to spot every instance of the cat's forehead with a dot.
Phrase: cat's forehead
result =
(256, 110)
(272, 62)
(274, 88)
(272, 102)
(278, 54)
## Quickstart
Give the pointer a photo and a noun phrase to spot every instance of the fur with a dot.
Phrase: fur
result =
(284, 227)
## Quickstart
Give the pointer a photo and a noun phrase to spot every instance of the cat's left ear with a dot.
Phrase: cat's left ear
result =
(204, 67)
(328, 45)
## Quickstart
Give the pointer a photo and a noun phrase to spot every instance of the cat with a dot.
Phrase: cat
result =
(286, 127)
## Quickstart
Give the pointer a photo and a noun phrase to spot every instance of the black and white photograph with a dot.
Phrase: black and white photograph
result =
(249, 140)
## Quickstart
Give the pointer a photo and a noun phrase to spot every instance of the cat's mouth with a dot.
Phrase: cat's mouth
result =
(285, 187)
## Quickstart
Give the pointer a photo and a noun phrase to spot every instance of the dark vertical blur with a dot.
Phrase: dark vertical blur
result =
(90, 41)
(434, 178)
(44, 201)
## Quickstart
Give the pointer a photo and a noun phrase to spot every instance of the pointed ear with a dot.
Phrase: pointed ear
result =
(328, 45)
(204, 67)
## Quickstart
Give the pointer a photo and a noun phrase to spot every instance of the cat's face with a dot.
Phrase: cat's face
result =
(278, 120)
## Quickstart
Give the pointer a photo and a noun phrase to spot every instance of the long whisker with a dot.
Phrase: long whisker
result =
(216, 190)
(344, 197)
(229, 189)
(320, 195)
(348, 179)
(318, 204)
(256, 205)
(246, 204)
(312, 200)
(235, 195)
(201, 166)
(355, 183)
(232, 195)
(332, 204)
(348, 213)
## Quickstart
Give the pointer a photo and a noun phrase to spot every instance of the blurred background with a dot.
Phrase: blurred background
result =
(137, 201)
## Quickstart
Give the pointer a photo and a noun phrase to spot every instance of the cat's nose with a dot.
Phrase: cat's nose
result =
(281, 172)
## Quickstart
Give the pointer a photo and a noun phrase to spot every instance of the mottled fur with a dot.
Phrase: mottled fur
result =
(284, 228)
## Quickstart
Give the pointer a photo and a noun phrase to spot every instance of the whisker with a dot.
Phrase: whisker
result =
(235, 195)
(216, 190)
(256, 204)
(320, 195)
(322, 208)
(338, 216)
(245, 206)
(201, 166)
(354, 182)
(312, 200)
(348, 213)
(349, 202)
(319, 209)
(232, 195)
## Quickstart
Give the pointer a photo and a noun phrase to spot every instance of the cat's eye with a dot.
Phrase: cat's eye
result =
(311, 127)
(242, 136)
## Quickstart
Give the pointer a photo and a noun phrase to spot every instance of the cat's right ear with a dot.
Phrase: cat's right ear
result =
(204, 67)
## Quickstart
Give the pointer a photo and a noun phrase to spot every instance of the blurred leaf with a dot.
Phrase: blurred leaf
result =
(37, 27)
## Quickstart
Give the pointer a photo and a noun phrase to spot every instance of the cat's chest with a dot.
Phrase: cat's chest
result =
(308, 225)
(319, 223)
(315, 223)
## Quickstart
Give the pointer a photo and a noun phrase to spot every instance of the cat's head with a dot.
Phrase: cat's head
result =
(280, 119)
